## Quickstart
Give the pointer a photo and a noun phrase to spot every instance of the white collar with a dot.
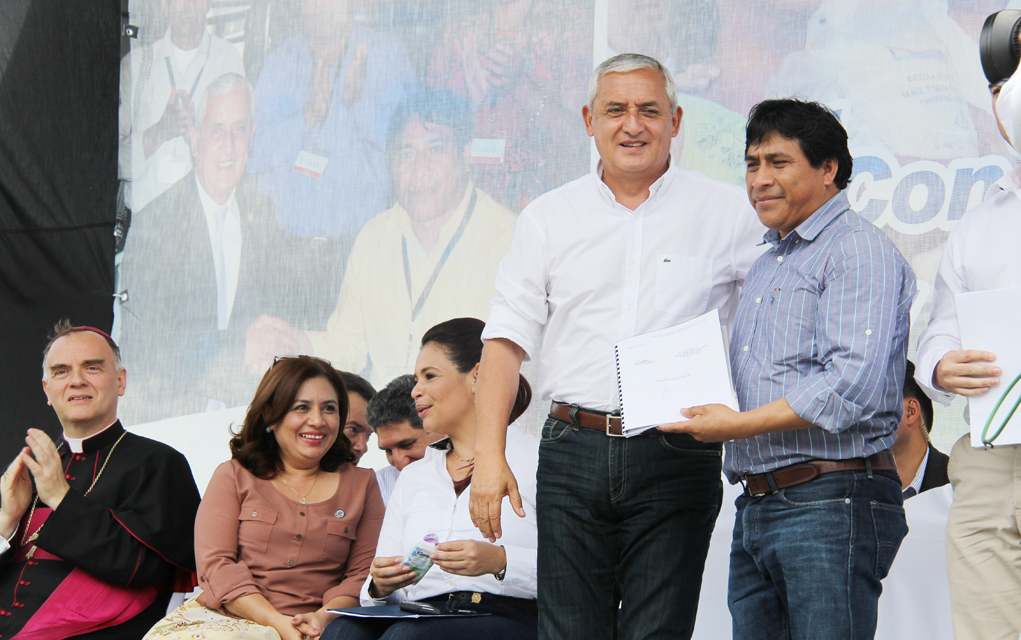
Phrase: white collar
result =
(654, 188)
(916, 484)
(75, 444)
(208, 204)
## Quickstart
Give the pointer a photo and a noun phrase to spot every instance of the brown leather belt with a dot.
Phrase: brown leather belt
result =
(758, 485)
(597, 420)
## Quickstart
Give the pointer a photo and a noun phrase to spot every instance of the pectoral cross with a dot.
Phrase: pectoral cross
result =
(31, 538)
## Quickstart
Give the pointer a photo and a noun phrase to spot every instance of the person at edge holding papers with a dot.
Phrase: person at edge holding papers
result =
(636, 246)
(818, 354)
(983, 536)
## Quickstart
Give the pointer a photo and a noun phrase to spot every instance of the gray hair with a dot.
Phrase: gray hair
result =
(626, 62)
(65, 328)
(223, 85)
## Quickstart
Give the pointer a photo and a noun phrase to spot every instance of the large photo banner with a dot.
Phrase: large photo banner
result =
(334, 177)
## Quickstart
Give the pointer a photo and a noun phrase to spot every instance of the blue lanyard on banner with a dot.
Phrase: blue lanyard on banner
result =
(173, 82)
(985, 430)
(417, 309)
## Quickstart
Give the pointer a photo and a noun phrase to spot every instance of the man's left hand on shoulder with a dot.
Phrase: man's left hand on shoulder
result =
(710, 423)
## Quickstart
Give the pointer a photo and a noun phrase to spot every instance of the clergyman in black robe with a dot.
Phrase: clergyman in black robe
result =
(107, 534)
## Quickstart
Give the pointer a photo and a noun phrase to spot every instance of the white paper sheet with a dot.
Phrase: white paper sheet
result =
(989, 321)
(664, 371)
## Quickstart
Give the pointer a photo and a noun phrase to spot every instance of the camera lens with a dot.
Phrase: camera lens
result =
(998, 45)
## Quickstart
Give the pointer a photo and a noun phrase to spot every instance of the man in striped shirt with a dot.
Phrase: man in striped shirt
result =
(818, 355)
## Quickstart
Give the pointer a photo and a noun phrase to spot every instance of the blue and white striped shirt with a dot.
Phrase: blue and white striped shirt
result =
(823, 322)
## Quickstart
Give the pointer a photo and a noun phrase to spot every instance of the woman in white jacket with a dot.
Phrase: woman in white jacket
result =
(430, 497)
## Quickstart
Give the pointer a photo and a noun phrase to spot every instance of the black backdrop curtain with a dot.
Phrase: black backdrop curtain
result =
(58, 186)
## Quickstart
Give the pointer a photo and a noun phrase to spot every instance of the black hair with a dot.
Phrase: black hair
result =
(432, 106)
(816, 128)
(912, 390)
(461, 339)
(359, 385)
(394, 404)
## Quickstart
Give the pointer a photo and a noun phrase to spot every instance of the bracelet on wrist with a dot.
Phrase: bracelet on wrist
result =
(502, 573)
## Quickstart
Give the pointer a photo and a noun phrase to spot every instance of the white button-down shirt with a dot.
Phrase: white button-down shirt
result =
(584, 272)
(423, 502)
(229, 270)
(980, 254)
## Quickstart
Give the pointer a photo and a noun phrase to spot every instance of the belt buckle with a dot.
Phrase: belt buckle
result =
(614, 435)
(476, 598)
(744, 481)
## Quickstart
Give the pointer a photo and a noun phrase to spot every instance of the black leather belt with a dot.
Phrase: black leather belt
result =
(608, 423)
(468, 598)
(757, 484)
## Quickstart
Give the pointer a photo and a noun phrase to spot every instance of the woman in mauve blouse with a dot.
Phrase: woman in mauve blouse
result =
(288, 527)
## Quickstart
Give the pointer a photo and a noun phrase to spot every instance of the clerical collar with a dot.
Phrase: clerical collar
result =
(99, 440)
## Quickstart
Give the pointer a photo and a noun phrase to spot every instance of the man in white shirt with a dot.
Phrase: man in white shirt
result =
(159, 85)
(196, 273)
(432, 256)
(399, 431)
(983, 535)
(636, 246)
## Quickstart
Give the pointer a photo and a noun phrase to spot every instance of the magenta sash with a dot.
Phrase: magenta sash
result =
(82, 604)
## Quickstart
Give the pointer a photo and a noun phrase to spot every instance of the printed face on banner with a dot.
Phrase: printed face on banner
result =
(221, 143)
(187, 18)
(431, 170)
(325, 21)
(82, 382)
(783, 186)
(631, 122)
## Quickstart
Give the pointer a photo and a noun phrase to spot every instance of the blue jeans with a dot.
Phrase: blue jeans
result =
(624, 528)
(806, 562)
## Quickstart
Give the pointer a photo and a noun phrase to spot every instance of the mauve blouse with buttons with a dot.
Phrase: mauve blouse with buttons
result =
(250, 538)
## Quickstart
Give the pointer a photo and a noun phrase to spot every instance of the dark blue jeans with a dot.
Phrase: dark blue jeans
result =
(624, 528)
(806, 562)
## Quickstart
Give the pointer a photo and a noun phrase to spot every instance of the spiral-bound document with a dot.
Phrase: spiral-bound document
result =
(660, 373)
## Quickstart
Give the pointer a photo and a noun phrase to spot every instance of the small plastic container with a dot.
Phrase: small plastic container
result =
(419, 559)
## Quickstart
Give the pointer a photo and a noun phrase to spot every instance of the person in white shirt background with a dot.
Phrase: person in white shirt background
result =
(399, 431)
(983, 535)
(430, 498)
(433, 255)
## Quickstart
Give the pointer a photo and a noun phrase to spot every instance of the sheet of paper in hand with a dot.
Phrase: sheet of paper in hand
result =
(661, 372)
(988, 320)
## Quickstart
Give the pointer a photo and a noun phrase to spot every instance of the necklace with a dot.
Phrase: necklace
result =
(25, 538)
(466, 461)
(303, 500)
